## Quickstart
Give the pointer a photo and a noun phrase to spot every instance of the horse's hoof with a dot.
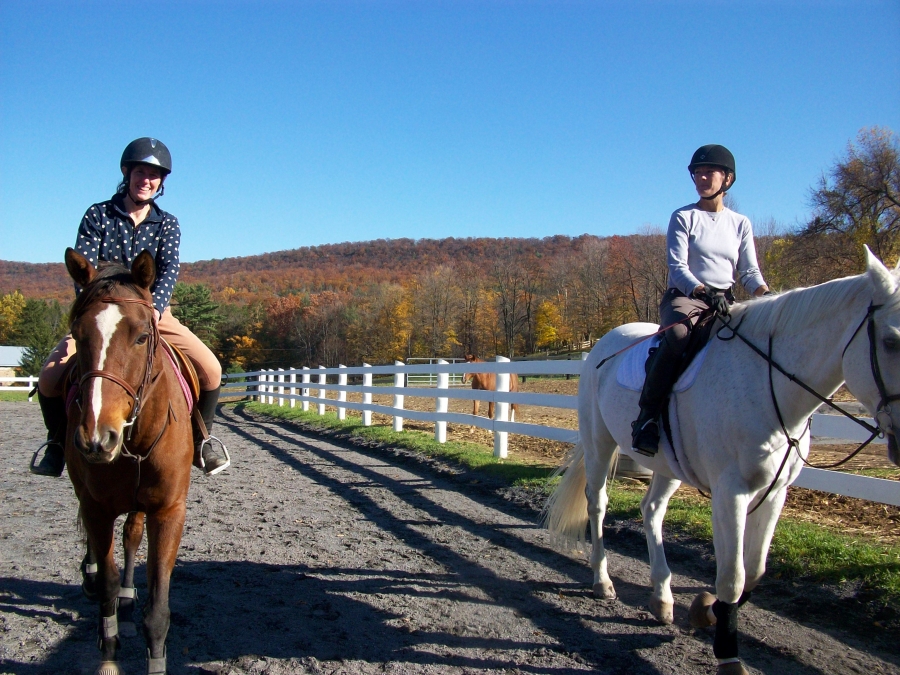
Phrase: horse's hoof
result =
(127, 629)
(604, 590)
(700, 615)
(109, 668)
(733, 668)
(663, 611)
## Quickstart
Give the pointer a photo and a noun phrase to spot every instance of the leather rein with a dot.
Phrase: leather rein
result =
(883, 424)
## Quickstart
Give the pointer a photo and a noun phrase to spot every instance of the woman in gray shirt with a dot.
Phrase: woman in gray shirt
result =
(708, 244)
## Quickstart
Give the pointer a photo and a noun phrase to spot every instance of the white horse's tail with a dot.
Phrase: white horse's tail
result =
(565, 514)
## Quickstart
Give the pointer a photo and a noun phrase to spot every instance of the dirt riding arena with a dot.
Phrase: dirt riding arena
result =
(312, 555)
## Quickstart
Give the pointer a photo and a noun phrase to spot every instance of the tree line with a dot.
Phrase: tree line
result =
(381, 301)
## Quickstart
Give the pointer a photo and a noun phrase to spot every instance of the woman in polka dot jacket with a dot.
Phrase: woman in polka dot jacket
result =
(117, 230)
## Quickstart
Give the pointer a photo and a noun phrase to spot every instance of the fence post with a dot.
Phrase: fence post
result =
(268, 388)
(304, 391)
(281, 387)
(322, 393)
(440, 427)
(367, 397)
(501, 413)
(259, 388)
(342, 394)
(293, 389)
(398, 398)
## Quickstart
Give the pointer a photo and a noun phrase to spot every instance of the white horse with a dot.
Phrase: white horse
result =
(733, 444)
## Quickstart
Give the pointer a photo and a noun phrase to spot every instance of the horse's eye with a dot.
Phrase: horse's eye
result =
(142, 340)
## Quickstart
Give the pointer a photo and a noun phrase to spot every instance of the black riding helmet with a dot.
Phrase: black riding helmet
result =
(714, 155)
(147, 151)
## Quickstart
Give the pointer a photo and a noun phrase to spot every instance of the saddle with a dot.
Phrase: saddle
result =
(185, 368)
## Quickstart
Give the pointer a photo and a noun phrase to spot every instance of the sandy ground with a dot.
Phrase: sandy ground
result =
(313, 555)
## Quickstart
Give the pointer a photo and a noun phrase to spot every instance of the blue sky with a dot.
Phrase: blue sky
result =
(305, 123)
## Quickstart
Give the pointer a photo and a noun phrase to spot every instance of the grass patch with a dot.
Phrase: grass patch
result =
(799, 549)
(14, 396)
(885, 472)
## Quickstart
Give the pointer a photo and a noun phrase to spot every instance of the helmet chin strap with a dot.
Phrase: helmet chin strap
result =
(722, 190)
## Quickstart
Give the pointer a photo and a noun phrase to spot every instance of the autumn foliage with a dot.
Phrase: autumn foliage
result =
(385, 300)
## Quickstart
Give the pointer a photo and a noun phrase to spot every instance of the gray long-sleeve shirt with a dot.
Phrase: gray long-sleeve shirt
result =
(709, 248)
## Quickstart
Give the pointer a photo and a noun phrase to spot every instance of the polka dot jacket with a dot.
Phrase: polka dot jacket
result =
(108, 233)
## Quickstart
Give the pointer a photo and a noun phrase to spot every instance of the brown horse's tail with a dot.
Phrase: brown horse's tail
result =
(79, 526)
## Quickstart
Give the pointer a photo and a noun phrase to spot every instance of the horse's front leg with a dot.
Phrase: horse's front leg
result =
(729, 520)
(757, 538)
(132, 533)
(653, 509)
(164, 530)
(99, 526)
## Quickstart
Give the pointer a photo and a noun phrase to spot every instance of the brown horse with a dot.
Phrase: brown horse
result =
(128, 445)
(488, 382)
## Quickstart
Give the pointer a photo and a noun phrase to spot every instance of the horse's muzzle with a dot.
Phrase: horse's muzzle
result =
(102, 450)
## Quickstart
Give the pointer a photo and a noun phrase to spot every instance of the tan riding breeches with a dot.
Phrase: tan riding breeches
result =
(209, 370)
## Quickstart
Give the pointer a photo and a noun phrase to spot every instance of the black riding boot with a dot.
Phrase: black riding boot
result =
(53, 408)
(661, 376)
(206, 455)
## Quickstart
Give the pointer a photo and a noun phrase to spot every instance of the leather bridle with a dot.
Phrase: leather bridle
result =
(883, 412)
(135, 394)
(884, 425)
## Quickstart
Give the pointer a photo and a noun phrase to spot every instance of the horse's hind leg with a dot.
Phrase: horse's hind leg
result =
(164, 531)
(132, 533)
(89, 575)
(653, 508)
(599, 449)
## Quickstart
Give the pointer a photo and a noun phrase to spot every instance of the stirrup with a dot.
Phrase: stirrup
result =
(647, 452)
(32, 466)
(199, 451)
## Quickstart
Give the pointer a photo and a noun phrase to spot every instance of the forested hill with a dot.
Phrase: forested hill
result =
(332, 266)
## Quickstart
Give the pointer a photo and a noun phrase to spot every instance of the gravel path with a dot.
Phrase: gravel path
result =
(311, 555)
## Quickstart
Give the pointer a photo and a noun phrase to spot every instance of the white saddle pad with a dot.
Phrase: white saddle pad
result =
(631, 373)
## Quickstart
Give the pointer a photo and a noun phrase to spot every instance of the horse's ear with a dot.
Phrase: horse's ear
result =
(79, 267)
(883, 282)
(143, 270)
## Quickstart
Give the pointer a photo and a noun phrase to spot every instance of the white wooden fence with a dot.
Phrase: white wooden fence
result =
(293, 386)
(21, 384)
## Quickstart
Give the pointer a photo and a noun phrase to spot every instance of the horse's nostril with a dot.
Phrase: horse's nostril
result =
(110, 440)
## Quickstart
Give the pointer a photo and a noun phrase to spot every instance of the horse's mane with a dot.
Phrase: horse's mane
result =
(798, 308)
(110, 278)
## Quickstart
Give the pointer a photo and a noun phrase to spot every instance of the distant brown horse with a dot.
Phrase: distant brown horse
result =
(488, 382)
(128, 446)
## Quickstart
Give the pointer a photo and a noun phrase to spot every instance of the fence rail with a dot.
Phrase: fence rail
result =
(22, 384)
(293, 387)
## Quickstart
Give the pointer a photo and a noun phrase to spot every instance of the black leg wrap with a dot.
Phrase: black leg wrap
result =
(725, 645)
(745, 596)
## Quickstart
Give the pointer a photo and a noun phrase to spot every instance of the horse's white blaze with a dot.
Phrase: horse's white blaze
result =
(107, 322)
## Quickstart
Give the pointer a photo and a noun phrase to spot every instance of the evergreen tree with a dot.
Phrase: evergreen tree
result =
(41, 326)
(193, 306)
